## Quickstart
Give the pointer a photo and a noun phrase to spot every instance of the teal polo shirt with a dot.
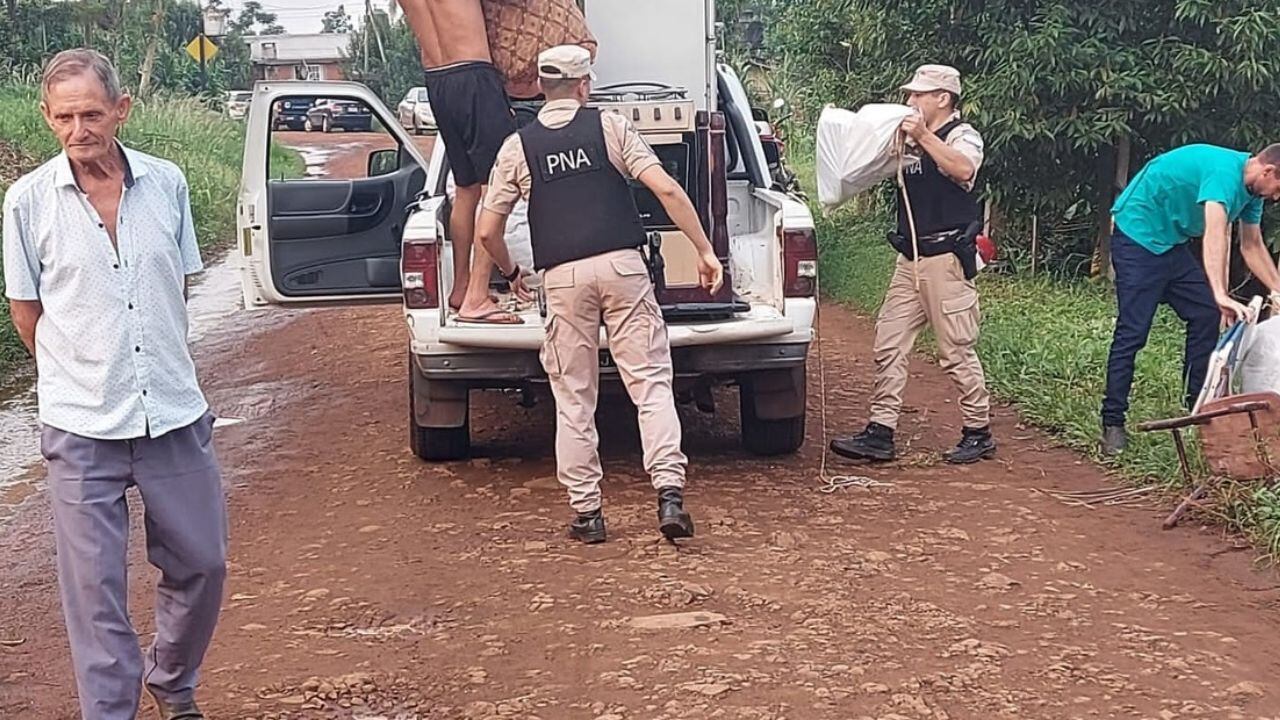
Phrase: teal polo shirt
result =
(1163, 206)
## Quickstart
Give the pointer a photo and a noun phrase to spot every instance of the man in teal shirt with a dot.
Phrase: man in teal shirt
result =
(1192, 191)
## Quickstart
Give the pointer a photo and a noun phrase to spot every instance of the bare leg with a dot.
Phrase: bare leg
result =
(476, 301)
(462, 230)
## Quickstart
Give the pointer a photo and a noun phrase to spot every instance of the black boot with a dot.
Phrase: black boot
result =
(1114, 440)
(673, 519)
(975, 444)
(588, 527)
(873, 443)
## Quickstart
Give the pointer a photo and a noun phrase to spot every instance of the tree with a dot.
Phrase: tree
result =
(153, 46)
(337, 21)
(383, 54)
(253, 20)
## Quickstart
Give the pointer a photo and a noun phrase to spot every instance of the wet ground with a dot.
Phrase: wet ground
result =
(366, 584)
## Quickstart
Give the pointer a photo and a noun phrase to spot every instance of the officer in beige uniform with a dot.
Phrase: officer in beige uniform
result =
(944, 154)
(587, 234)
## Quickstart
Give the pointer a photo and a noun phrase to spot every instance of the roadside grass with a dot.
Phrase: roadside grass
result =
(1044, 346)
(207, 146)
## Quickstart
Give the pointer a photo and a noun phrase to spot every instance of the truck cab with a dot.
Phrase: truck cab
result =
(384, 239)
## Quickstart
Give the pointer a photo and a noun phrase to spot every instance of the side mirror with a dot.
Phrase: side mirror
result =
(383, 162)
(759, 114)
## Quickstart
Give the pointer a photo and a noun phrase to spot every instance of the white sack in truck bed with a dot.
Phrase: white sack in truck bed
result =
(856, 150)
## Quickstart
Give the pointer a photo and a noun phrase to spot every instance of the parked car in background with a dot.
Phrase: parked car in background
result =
(291, 113)
(415, 112)
(332, 114)
(238, 103)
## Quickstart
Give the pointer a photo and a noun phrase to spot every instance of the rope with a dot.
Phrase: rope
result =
(906, 203)
(832, 483)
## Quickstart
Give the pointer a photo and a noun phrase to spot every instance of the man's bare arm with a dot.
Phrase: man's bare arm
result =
(680, 209)
(1217, 246)
(25, 314)
(950, 161)
(491, 234)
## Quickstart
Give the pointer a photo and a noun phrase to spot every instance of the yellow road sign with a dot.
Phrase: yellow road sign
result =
(193, 48)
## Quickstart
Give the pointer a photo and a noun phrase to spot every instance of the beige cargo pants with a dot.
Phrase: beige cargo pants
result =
(614, 287)
(949, 304)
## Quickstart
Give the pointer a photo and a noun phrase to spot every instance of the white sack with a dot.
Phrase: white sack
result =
(1260, 366)
(856, 150)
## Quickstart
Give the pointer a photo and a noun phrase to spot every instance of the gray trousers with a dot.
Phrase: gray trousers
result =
(186, 530)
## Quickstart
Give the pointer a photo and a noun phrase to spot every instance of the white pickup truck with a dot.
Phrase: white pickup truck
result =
(317, 242)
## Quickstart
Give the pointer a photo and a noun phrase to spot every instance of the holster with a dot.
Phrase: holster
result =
(657, 266)
(963, 243)
(966, 249)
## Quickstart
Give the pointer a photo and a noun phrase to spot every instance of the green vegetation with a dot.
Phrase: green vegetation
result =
(145, 40)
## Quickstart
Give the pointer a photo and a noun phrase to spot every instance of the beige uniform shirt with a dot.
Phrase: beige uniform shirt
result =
(511, 180)
(965, 140)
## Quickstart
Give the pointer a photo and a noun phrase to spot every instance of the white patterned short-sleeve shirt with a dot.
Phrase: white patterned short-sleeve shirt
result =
(111, 345)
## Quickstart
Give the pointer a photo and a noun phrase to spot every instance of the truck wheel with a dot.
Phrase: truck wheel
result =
(772, 436)
(437, 444)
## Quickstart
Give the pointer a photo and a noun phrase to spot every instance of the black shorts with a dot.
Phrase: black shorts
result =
(474, 118)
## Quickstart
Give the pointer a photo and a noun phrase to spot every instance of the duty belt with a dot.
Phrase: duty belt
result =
(963, 243)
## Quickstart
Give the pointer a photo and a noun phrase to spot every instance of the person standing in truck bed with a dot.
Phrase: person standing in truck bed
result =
(469, 96)
(572, 166)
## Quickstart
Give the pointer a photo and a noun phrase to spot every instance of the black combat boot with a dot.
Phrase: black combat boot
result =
(1114, 440)
(975, 444)
(673, 519)
(873, 443)
(588, 527)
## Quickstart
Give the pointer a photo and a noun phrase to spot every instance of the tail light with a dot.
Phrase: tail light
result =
(800, 263)
(419, 266)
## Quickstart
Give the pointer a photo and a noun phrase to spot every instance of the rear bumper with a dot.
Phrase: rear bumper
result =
(497, 369)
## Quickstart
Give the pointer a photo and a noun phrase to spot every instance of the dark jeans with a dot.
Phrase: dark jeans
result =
(1143, 281)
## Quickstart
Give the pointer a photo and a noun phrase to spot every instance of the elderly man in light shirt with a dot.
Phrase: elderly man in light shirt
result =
(98, 244)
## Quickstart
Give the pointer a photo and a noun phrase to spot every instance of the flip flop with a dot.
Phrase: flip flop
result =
(487, 318)
(458, 308)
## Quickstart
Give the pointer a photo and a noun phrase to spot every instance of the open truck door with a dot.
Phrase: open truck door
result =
(320, 216)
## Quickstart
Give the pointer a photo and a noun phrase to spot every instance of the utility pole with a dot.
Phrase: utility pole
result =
(204, 68)
(371, 24)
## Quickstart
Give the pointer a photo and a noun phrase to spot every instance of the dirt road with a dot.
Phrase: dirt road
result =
(365, 584)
